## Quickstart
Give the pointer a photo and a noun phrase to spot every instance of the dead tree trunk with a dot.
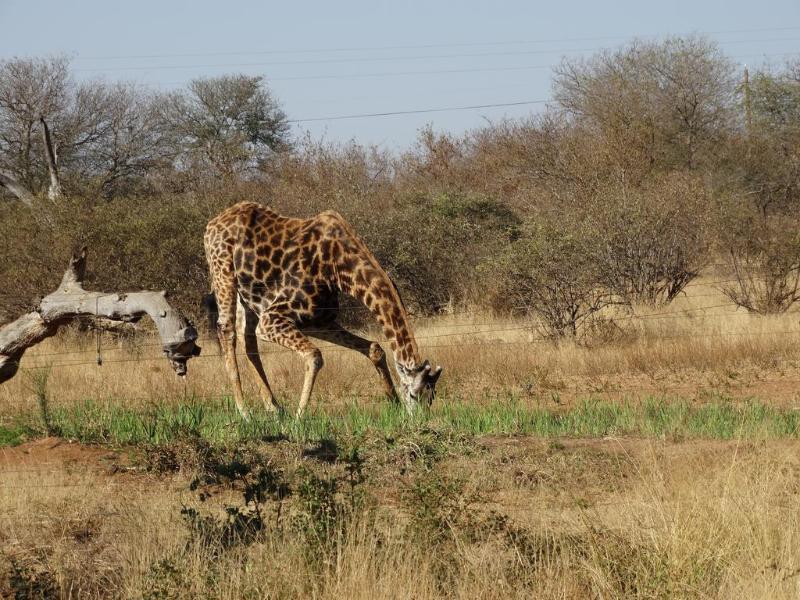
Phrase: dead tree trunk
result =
(70, 300)
(54, 191)
(8, 181)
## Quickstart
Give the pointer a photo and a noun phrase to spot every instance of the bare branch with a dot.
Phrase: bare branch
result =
(70, 300)
(54, 192)
(8, 181)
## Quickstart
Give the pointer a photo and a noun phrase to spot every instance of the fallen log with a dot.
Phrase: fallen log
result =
(71, 301)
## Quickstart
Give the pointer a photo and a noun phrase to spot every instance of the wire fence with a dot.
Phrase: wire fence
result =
(471, 329)
(462, 330)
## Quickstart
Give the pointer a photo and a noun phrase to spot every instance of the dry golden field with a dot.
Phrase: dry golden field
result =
(698, 345)
(656, 457)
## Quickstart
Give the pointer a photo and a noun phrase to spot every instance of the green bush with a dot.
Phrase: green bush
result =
(550, 272)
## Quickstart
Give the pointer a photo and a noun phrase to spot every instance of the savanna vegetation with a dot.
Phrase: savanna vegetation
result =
(610, 284)
(653, 162)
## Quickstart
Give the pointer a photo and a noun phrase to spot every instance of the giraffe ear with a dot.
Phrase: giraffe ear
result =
(434, 376)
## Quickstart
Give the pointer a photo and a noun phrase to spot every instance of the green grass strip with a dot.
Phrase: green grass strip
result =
(218, 422)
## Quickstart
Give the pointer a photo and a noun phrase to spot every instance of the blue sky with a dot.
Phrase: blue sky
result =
(349, 57)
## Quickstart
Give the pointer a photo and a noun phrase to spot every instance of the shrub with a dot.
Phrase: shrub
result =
(550, 272)
(651, 241)
(155, 243)
(763, 259)
(432, 245)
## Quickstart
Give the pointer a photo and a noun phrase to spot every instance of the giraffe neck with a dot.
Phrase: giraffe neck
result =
(392, 316)
(363, 278)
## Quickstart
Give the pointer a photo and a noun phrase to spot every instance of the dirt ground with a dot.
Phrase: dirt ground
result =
(511, 471)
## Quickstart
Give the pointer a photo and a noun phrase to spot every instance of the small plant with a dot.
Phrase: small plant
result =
(320, 510)
(32, 579)
(354, 467)
(437, 505)
(165, 579)
(38, 379)
(241, 525)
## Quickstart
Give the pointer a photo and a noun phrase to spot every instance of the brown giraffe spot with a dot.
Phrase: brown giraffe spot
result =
(262, 268)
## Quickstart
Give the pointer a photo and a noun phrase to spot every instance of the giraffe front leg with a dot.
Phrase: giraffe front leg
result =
(314, 363)
(336, 334)
(284, 332)
(227, 340)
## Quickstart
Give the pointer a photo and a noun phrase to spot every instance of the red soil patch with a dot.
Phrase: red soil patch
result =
(52, 453)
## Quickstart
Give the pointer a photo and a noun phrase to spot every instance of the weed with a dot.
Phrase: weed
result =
(260, 485)
(319, 512)
(13, 435)
(31, 578)
(165, 579)
(37, 381)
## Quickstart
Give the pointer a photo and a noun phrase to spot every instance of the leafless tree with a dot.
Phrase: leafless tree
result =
(90, 136)
(549, 272)
(70, 301)
(130, 142)
(652, 241)
(32, 91)
(666, 101)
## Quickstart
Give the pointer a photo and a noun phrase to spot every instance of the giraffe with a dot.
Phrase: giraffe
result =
(288, 273)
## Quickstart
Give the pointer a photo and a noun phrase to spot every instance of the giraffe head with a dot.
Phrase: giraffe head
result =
(418, 385)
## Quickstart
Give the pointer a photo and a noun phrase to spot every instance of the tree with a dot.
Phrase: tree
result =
(133, 143)
(667, 103)
(550, 272)
(762, 255)
(70, 301)
(653, 240)
(86, 134)
(33, 92)
(765, 161)
(230, 123)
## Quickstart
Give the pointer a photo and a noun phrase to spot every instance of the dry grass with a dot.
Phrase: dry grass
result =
(589, 519)
(698, 345)
(503, 517)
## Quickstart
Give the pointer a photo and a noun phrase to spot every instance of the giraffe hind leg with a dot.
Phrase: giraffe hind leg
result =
(226, 330)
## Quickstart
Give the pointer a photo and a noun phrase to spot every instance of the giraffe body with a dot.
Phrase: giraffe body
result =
(288, 274)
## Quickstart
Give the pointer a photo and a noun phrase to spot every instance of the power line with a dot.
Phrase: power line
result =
(492, 328)
(676, 314)
(379, 58)
(418, 111)
(461, 343)
(379, 74)
(422, 46)
(331, 60)
(405, 73)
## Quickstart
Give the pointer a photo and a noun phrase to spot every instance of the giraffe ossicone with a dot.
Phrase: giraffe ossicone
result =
(288, 273)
